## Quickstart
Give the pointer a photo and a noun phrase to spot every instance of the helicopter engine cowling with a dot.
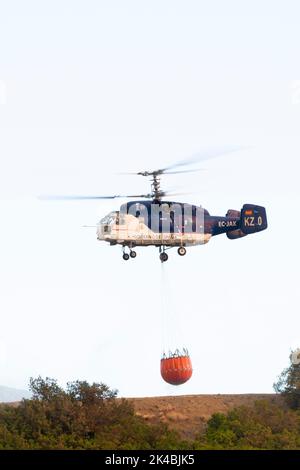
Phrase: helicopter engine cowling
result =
(234, 234)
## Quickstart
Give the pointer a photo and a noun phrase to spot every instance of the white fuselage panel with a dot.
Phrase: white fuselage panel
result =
(135, 232)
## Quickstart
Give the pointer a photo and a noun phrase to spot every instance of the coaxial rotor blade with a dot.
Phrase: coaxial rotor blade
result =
(124, 173)
(184, 171)
(159, 172)
(84, 198)
(177, 194)
(75, 198)
(205, 154)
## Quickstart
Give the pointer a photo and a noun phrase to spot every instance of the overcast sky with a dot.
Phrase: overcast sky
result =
(91, 88)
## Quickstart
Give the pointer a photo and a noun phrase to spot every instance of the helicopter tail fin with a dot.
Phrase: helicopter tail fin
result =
(253, 219)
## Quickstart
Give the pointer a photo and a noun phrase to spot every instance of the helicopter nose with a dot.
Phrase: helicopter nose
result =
(99, 231)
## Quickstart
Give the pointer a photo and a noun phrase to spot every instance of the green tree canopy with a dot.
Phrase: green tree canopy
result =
(84, 416)
(262, 426)
(288, 384)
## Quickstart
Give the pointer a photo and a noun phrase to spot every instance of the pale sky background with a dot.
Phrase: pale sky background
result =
(90, 88)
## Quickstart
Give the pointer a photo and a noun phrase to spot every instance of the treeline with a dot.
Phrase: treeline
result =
(262, 426)
(83, 416)
(88, 416)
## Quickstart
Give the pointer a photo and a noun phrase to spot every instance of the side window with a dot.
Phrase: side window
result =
(188, 223)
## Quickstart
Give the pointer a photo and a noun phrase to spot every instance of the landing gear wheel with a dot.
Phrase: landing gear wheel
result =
(133, 254)
(181, 251)
(125, 256)
(163, 257)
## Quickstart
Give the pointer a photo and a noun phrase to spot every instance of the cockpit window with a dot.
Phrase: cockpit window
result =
(110, 219)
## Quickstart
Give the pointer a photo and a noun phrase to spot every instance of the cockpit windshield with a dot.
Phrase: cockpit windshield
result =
(110, 219)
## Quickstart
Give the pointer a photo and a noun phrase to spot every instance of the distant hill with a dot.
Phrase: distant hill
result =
(188, 414)
(8, 394)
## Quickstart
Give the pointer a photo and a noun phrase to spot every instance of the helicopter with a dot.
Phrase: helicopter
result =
(150, 220)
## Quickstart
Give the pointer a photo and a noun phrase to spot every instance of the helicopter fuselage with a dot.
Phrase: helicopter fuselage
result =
(157, 223)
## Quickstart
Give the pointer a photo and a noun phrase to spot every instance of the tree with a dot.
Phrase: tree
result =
(288, 384)
(88, 394)
(262, 426)
(84, 416)
(45, 389)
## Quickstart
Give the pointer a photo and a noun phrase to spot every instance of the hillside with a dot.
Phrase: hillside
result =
(188, 414)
